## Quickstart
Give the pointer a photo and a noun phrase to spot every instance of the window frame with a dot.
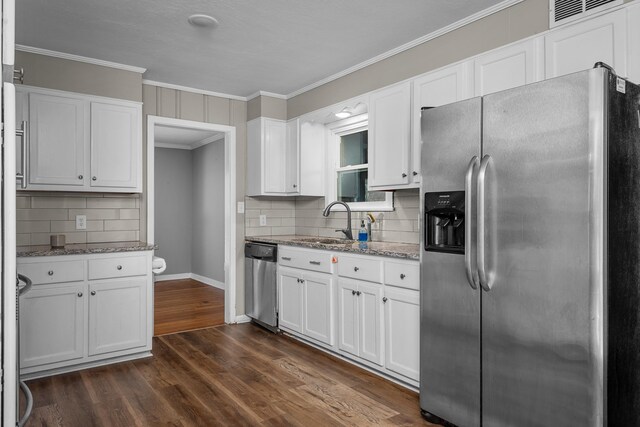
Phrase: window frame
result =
(336, 130)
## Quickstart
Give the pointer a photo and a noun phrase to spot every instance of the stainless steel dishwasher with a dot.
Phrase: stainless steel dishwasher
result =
(261, 291)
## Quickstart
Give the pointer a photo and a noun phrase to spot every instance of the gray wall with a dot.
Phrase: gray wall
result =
(207, 250)
(174, 208)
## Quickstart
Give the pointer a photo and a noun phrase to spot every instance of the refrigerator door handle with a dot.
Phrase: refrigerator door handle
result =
(485, 282)
(470, 248)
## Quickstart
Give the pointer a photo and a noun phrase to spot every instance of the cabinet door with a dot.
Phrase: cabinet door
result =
(117, 315)
(292, 184)
(290, 302)
(370, 325)
(52, 324)
(402, 332)
(508, 67)
(390, 136)
(577, 47)
(274, 156)
(116, 146)
(442, 87)
(318, 316)
(348, 316)
(313, 163)
(58, 131)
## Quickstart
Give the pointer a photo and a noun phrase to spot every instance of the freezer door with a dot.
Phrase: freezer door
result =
(450, 307)
(543, 218)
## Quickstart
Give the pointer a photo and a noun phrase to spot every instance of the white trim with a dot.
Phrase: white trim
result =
(181, 276)
(208, 281)
(229, 193)
(434, 34)
(71, 57)
(193, 90)
(193, 145)
(84, 96)
(263, 93)
(243, 318)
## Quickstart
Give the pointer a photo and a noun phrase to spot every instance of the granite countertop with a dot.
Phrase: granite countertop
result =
(389, 249)
(84, 248)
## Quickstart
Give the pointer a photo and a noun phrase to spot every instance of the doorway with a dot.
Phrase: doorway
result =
(191, 196)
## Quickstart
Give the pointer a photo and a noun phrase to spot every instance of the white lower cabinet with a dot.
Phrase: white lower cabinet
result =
(117, 315)
(84, 322)
(305, 303)
(52, 324)
(359, 319)
(402, 331)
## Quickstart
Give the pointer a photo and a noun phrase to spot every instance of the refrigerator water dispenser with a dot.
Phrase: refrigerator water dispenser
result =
(444, 219)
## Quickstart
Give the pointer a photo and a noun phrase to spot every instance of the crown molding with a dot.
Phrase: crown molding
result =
(94, 61)
(269, 94)
(444, 30)
(193, 90)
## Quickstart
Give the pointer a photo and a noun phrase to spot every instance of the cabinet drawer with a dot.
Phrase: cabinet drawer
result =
(360, 268)
(307, 259)
(53, 272)
(402, 274)
(105, 268)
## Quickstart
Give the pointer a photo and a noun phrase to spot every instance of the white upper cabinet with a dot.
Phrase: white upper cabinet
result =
(272, 152)
(633, 28)
(312, 149)
(438, 88)
(57, 134)
(79, 143)
(508, 67)
(390, 137)
(114, 152)
(578, 47)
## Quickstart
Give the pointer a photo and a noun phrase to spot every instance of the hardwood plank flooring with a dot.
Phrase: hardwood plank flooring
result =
(227, 375)
(185, 305)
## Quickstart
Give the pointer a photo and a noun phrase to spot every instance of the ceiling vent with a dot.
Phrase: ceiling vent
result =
(563, 11)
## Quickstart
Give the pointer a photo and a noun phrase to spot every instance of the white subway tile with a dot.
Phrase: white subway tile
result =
(129, 214)
(70, 226)
(23, 239)
(111, 202)
(93, 214)
(283, 231)
(121, 224)
(41, 214)
(33, 226)
(112, 236)
(58, 202)
(23, 202)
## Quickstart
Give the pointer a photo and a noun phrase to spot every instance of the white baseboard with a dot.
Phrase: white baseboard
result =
(203, 279)
(208, 281)
(243, 318)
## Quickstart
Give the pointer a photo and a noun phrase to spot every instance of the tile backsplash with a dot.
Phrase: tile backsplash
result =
(110, 217)
(303, 216)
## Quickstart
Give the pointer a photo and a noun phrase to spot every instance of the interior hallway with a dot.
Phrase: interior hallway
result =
(185, 305)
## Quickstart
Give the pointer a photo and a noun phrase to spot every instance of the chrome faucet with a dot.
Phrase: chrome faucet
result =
(347, 231)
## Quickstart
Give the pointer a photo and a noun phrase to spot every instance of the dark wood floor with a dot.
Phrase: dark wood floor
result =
(227, 375)
(185, 305)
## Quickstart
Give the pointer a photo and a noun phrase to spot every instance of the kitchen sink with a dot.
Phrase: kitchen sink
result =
(324, 240)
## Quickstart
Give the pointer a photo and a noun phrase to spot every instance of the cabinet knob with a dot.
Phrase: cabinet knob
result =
(355, 269)
(93, 178)
(358, 293)
(50, 272)
(295, 185)
(79, 294)
(415, 173)
(301, 280)
(93, 292)
(80, 176)
(298, 280)
(384, 299)
(402, 276)
(404, 175)
(353, 292)
(119, 267)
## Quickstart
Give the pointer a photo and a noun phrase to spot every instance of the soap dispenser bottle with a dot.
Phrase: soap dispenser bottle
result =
(362, 234)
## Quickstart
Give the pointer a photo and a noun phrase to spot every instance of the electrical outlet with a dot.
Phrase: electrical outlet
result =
(263, 220)
(81, 222)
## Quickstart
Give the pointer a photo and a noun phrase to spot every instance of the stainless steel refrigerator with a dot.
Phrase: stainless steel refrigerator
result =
(530, 260)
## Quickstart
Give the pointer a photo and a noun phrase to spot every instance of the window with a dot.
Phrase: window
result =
(349, 182)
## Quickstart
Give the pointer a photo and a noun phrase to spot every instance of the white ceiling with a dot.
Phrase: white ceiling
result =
(277, 46)
(183, 138)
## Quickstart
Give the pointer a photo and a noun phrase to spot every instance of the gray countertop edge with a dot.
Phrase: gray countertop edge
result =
(387, 249)
(83, 249)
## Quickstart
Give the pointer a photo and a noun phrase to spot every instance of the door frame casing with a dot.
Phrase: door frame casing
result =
(229, 195)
